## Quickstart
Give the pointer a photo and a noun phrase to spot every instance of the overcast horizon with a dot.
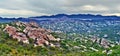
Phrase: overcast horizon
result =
(27, 8)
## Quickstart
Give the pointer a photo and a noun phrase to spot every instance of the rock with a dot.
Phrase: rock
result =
(76, 47)
(105, 43)
(51, 38)
(107, 51)
(33, 24)
(94, 49)
(20, 37)
(10, 30)
(40, 36)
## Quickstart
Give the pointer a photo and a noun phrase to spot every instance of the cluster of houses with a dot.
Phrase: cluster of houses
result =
(42, 37)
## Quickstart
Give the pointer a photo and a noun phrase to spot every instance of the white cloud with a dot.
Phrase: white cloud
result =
(86, 9)
(41, 7)
(94, 8)
(117, 14)
(19, 12)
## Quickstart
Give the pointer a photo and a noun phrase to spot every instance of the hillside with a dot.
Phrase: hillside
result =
(16, 41)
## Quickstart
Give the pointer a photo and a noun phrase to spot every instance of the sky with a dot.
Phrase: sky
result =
(28, 8)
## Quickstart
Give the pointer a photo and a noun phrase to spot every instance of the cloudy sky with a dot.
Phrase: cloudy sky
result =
(26, 8)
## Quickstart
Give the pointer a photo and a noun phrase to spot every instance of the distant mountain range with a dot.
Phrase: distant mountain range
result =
(76, 16)
(79, 16)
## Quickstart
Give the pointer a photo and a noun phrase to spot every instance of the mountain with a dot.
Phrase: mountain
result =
(85, 16)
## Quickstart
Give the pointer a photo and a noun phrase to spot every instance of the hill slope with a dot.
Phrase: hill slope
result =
(70, 44)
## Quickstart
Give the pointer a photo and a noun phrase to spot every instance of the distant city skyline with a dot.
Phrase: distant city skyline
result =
(27, 8)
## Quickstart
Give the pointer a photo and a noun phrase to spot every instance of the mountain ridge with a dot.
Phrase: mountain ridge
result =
(73, 16)
(79, 16)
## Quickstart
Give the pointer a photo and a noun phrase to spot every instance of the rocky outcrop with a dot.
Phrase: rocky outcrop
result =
(32, 30)
(102, 42)
(12, 31)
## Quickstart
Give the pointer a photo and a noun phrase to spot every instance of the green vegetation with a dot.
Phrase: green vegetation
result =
(71, 45)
